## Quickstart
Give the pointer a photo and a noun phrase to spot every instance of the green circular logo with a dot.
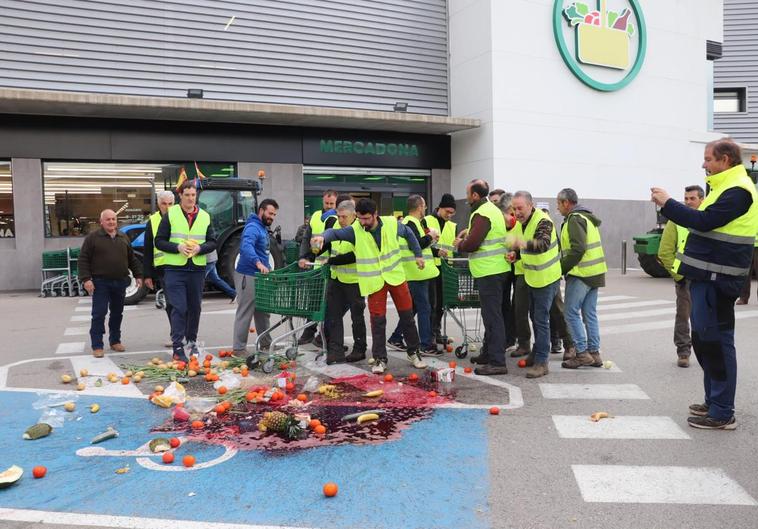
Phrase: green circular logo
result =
(604, 42)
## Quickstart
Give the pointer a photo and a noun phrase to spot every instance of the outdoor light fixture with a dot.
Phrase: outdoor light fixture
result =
(401, 107)
(195, 93)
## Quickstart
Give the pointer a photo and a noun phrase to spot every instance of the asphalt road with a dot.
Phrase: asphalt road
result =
(540, 464)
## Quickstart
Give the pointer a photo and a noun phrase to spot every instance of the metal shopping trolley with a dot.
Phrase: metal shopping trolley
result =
(291, 293)
(460, 301)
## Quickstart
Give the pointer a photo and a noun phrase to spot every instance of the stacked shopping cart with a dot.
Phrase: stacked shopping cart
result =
(60, 273)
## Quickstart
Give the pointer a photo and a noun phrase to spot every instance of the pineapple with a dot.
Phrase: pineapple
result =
(281, 423)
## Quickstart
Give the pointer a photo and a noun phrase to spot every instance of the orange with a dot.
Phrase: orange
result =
(174, 442)
(125, 380)
(320, 429)
(39, 472)
(289, 386)
(215, 377)
(220, 409)
(522, 363)
(209, 357)
(250, 396)
(302, 397)
(388, 377)
(452, 365)
(449, 348)
(314, 423)
(494, 410)
(227, 405)
(252, 329)
(467, 370)
(188, 461)
(168, 457)
(222, 390)
(432, 394)
(330, 490)
(197, 425)
(413, 377)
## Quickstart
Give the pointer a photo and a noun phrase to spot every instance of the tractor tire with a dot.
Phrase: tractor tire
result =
(652, 266)
(133, 294)
(230, 253)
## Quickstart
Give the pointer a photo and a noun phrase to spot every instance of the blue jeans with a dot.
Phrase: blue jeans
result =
(211, 274)
(184, 290)
(109, 294)
(581, 297)
(712, 319)
(423, 309)
(540, 301)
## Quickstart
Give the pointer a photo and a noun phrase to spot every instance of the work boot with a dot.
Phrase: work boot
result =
(335, 359)
(307, 336)
(481, 359)
(530, 359)
(415, 359)
(318, 342)
(569, 353)
(596, 360)
(741, 301)
(490, 369)
(539, 369)
(179, 355)
(519, 352)
(709, 423)
(355, 356)
(397, 344)
(98, 353)
(699, 410)
(118, 347)
(582, 359)
(683, 361)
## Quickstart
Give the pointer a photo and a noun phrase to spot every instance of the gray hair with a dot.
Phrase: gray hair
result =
(505, 202)
(569, 195)
(414, 202)
(346, 205)
(166, 194)
(526, 195)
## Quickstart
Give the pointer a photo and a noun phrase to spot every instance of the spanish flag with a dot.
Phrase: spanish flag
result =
(182, 178)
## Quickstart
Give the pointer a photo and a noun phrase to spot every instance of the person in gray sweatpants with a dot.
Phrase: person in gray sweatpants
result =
(253, 259)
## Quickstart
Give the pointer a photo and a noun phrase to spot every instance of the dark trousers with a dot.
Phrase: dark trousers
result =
(184, 290)
(521, 313)
(377, 308)
(108, 296)
(341, 297)
(713, 341)
(435, 299)
(509, 316)
(491, 301)
(745, 293)
(682, 337)
(558, 328)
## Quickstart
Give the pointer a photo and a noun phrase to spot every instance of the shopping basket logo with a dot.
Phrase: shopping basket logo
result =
(610, 41)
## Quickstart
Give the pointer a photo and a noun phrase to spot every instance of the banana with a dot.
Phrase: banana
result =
(375, 393)
(366, 417)
(94, 408)
(598, 415)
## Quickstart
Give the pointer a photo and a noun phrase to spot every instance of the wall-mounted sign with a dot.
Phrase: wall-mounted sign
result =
(604, 45)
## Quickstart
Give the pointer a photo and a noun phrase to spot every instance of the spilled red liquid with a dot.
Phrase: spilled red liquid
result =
(403, 403)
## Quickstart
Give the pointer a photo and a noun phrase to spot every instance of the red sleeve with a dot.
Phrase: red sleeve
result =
(480, 226)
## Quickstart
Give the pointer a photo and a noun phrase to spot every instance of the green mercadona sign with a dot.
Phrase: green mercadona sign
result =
(368, 148)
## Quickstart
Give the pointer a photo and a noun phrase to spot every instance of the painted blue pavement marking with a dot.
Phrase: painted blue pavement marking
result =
(435, 475)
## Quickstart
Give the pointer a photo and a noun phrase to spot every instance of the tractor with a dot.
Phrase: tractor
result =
(646, 248)
(229, 201)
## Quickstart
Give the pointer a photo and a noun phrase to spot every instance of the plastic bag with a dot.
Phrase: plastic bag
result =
(310, 385)
(175, 392)
(230, 380)
(200, 405)
(55, 417)
(51, 400)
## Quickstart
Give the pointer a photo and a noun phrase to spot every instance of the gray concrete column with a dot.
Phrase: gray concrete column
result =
(28, 207)
(440, 186)
(283, 183)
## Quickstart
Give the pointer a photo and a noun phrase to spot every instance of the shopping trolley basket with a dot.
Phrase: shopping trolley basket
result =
(460, 301)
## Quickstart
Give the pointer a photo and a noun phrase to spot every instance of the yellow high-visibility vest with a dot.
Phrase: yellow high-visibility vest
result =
(412, 273)
(447, 236)
(317, 228)
(489, 258)
(159, 258)
(541, 268)
(346, 273)
(375, 267)
(593, 260)
(181, 233)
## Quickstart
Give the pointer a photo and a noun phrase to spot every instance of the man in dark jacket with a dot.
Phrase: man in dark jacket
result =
(185, 237)
(254, 259)
(583, 265)
(104, 263)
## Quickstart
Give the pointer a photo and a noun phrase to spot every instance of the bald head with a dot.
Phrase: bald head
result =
(476, 190)
(108, 221)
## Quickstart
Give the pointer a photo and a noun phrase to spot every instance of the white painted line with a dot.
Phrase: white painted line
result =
(81, 317)
(623, 427)
(75, 331)
(99, 368)
(120, 522)
(666, 324)
(593, 391)
(670, 311)
(636, 304)
(127, 308)
(83, 309)
(606, 299)
(651, 484)
(216, 312)
(70, 348)
(555, 367)
(85, 301)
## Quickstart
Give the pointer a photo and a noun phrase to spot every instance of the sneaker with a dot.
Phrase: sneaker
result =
(397, 344)
(415, 358)
(509, 348)
(537, 370)
(491, 370)
(98, 353)
(556, 348)
(179, 356)
(709, 423)
(519, 352)
(699, 410)
(431, 351)
(355, 356)
(580, 360)
(596, 360)
(192, 348)
(683, 361)
(118, 347)
(380, 364)
(569, 353)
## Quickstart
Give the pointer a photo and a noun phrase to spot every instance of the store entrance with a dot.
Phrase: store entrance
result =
(389, 188)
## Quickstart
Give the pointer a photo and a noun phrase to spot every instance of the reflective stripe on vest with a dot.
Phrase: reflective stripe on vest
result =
(376, 268)
(543, 268)
(181, 233)
(593, 260)
(412, 273)
(730, 240)
(159, 258)
(317, 228)
(489, 258)
(447, 236)
(346, 273)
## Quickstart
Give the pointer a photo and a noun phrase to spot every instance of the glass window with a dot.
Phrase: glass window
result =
(7, 227)
(729, 100)
(76, 192)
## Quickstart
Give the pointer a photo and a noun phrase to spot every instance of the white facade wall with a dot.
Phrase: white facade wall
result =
(543, 129)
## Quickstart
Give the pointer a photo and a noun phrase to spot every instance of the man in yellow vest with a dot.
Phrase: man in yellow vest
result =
(152, 258)
(583, 264)
(321, 220)
(715, 256)
(484, 241)
(441, 222)
(419, 279)
(541, 261)
(671, 238)
(380, 271)
(185, 236)
(497, 196)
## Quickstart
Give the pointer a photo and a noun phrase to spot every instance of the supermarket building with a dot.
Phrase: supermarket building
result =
(103, 102)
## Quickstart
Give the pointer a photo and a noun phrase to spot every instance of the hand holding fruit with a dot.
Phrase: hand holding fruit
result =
(659, 196)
